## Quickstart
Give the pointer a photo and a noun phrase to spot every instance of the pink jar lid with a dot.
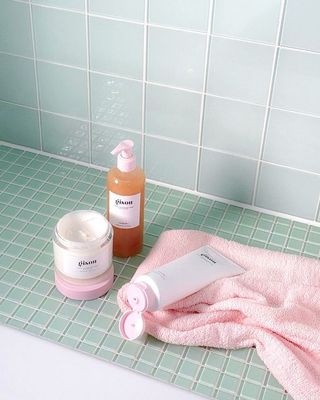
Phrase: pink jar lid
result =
(87, 291)
(132, 325)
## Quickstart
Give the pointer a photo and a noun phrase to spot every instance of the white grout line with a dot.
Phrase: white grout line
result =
(19, 105)
(256, 42)
(214, 150)
(51, 155)
(167, 185)
(270, 92)
(181, 29)
(22, 1)
(35, 67)
(153, 83)
(235, 100)
(88, 82)
(204, 85)
(144, 81)
(296, 49)
(74, 118)
(167, 139)
(116, 19)
(113, 75)
(177, 29)
(77, 67)
(34, 2)
(295, 112)
(243, 40)
(7, 53)
(288, 167)
(317, 216)
(158, 84)
(165, 85)
(171, 140)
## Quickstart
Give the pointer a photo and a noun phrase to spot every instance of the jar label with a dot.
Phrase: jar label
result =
(124, 211)
(82, 265)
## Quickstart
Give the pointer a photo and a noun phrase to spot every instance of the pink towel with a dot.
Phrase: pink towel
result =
(274, 306)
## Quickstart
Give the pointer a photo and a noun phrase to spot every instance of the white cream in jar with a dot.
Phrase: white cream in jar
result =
(82, 245)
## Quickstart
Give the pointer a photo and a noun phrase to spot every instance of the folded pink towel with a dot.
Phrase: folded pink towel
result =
(274, 306)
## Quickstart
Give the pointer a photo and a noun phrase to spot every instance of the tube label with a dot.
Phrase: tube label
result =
(124, 211)
(188, 274)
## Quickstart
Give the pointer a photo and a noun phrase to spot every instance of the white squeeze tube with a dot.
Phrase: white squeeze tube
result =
(179, 278)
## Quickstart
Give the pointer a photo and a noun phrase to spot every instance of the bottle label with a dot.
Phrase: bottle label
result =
(124, 211)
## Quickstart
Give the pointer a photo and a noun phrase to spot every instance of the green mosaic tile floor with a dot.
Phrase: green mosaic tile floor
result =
(37, 190)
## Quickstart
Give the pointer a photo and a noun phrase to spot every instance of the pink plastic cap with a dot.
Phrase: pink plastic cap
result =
(141, 297)
(131, 325)
(84, 292)
(126, 160)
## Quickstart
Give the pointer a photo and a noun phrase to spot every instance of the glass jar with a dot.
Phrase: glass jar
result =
(82, 246)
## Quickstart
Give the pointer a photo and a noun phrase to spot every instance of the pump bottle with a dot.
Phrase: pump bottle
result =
(125, 193)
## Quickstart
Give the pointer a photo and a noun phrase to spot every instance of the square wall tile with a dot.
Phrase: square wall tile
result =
(288, 191)
(176, 58)
(127, 9)
(60, 36)
(233, 126)
(293, 140)
(116, 47)
(187, 14)
(19, 125)
(297, 82)
(239, 70)
(227, 176)
(78, 5)
(173, 113)
(301, 25)
(177, 168)
(63, 90)
(247, 19)
(66, 137)
(116, 101)
(15, 28)
(105, 139)
(17, 80)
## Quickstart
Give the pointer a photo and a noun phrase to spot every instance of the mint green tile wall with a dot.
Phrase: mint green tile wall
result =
(220, 96)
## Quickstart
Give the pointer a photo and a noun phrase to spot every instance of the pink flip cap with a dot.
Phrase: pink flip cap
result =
(140, 297)
(131, 325)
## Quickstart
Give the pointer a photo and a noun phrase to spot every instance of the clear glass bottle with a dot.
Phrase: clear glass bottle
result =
(125, 211)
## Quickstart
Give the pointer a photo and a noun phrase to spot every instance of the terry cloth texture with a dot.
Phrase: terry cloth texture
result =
(274, 306)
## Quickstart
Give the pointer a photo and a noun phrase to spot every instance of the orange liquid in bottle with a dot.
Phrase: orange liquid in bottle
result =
(127, 241)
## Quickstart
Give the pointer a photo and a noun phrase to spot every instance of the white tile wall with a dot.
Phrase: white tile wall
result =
(247, 19)
(223, 92)
(301, 25)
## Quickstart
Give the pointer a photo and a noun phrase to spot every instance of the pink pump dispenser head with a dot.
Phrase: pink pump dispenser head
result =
(126, 161)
